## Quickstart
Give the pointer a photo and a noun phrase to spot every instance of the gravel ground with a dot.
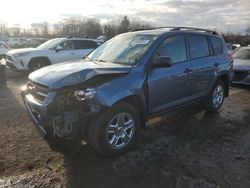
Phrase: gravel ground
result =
(191, 149)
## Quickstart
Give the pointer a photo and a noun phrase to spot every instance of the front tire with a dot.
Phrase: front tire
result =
(114, 131)
(37, 64)
(216, 97)
(2, 56)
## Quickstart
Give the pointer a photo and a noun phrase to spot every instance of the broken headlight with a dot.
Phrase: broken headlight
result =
(84, 94)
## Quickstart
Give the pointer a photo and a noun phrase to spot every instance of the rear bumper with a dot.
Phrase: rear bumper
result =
(242, 83)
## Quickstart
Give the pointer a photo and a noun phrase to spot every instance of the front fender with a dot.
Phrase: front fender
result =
(116, 90)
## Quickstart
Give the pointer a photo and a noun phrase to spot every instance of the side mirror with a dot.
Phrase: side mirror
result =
(162, 61)
(58, 48)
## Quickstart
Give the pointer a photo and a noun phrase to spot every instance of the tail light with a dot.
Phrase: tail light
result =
(230, 55)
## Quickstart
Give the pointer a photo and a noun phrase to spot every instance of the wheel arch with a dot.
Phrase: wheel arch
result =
(137, 102)
(134, 100)
(35, 59)
(225, 79)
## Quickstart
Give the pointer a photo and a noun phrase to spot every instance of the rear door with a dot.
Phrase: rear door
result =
(203, 63)
(169, 86)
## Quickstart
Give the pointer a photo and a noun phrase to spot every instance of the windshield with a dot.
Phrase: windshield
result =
(242, 54)
(123, 49)
(51, 43)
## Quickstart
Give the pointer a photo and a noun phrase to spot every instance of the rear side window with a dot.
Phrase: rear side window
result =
(85, 44)
(174, 47)
(216, 45)
(198, 46)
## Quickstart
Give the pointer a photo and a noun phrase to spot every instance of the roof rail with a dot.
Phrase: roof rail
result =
(173, 28)
(150, 28)
(194, 29)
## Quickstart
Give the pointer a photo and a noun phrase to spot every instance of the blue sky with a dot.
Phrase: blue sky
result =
(216, 14)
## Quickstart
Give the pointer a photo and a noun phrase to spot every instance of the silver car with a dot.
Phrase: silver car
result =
(241, 66)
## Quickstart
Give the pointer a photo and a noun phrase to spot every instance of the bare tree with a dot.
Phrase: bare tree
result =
(71, 27)
(110, 29)
(81, 28)
(3, 29)
(137, 25)
(36, 28)
(113, 28)
(45, 29)
(124, 25)
(93, 28)
(88, 27)
(248, 30)
(15, 30)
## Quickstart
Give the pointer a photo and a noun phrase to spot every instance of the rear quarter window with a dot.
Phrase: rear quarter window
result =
(217, 45)
(198, 46)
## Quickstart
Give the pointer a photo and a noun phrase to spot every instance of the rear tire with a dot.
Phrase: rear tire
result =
(216, 97)
(114, 131)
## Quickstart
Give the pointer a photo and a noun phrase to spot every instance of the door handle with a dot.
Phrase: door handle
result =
(188, 70)
(216, 64)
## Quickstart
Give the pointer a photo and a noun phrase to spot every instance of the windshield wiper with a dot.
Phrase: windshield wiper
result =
(130, 63)
(100, 60)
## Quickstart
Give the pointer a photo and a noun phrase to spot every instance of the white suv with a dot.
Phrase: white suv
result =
(4, 48)
(53, 51)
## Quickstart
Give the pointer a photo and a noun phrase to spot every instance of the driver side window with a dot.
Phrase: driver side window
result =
(67, 45)
(174, 47)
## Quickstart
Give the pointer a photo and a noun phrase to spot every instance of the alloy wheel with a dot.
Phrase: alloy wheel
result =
(218, 96)
(120, 130)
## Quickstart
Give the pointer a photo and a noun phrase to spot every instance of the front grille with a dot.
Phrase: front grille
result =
(239, 75)
(38, 91)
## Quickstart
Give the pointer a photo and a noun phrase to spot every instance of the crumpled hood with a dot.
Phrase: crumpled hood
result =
(241, 64)
(72, 73)
(21, 50)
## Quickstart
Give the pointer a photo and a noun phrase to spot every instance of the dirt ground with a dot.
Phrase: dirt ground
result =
(191, 149)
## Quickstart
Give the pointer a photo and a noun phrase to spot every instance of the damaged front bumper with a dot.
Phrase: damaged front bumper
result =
(51, 116)
(13, 63)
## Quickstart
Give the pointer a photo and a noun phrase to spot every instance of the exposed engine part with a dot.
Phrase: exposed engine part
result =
(64, 125)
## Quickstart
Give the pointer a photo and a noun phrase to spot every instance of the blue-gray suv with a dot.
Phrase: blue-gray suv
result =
(108, 96)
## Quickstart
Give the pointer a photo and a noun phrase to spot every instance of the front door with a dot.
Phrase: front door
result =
(65, 54)
(169, 86)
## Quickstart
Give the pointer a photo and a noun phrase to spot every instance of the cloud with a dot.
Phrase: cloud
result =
(219, 14)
